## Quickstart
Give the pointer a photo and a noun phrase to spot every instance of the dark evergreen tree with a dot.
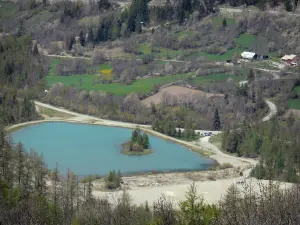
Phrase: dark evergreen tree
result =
(35, 49)
(82, 38)
(224, 22)
(216, 121)
(288, 5)
(70, 42)
(180, 15)
(103, 4)
(138, 11)
(251, 76)
(91, 37)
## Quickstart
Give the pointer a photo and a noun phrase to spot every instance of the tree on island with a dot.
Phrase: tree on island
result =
(139, 141)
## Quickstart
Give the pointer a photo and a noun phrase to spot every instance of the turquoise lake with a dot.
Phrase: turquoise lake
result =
(91, 149)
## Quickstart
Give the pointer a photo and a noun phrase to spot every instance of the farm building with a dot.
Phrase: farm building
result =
(290, 59)
(249, 55)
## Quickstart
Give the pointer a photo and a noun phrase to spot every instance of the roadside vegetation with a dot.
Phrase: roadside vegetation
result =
(52, 113)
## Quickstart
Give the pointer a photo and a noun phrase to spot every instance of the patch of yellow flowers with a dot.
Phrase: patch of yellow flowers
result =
(106, 74)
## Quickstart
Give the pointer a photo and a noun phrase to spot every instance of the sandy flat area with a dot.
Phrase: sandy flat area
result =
(177, 91)
(211, 191)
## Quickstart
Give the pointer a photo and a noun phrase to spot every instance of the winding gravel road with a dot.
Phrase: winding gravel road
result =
(273, 111)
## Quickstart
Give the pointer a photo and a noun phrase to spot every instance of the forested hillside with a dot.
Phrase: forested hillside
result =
(275, 143)
(21, 69)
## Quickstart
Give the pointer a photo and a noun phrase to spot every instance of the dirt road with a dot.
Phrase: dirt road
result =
(273, 111)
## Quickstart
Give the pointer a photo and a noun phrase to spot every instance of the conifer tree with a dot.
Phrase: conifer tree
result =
(288, 5)
(224, 22)
(20, 168)
(35, 49)
(216, 121)
(251, 76)
(82, 39)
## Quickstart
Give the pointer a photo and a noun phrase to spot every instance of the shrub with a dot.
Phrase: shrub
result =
(98, 57)
(211, 177)
(225, 166)
(113, 180)
(147, 58)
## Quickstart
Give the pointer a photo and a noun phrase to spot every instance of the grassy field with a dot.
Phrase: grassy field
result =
(7, 10)
(86, 82)
(222, 57)
(139, 86)
(54, 63)
(216, 78)
(294, 104)
(186, 33)
(57, 61)
(218, 21)
(163, 53)
(144, 48)
(245, 41)
(297, 90)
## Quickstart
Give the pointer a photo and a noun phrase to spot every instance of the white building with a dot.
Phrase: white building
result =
(249, 55)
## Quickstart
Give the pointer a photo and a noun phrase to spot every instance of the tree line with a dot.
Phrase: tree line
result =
(21, 68)
(274, 143)
(169, 128)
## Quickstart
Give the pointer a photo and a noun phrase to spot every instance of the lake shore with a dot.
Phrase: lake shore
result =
(153, 185)
(201, 146)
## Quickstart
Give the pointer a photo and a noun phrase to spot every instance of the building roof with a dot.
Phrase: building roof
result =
(288, 57)
(248, 55)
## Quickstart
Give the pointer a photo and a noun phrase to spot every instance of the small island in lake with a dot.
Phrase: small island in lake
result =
(137, 145)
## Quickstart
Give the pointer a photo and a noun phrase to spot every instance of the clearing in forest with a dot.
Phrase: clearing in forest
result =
(177, 91)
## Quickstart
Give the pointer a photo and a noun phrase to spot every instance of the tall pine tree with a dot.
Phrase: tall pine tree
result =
(216, 121)
(82, 38)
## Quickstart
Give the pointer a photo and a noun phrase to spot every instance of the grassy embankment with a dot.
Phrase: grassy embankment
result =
(53, 113)
(216, 140)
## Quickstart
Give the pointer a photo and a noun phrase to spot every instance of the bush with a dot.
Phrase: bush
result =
(211, 177)
(147, 58)
(225, 166)
(137, 148)
(113, 180)
(98, 57)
